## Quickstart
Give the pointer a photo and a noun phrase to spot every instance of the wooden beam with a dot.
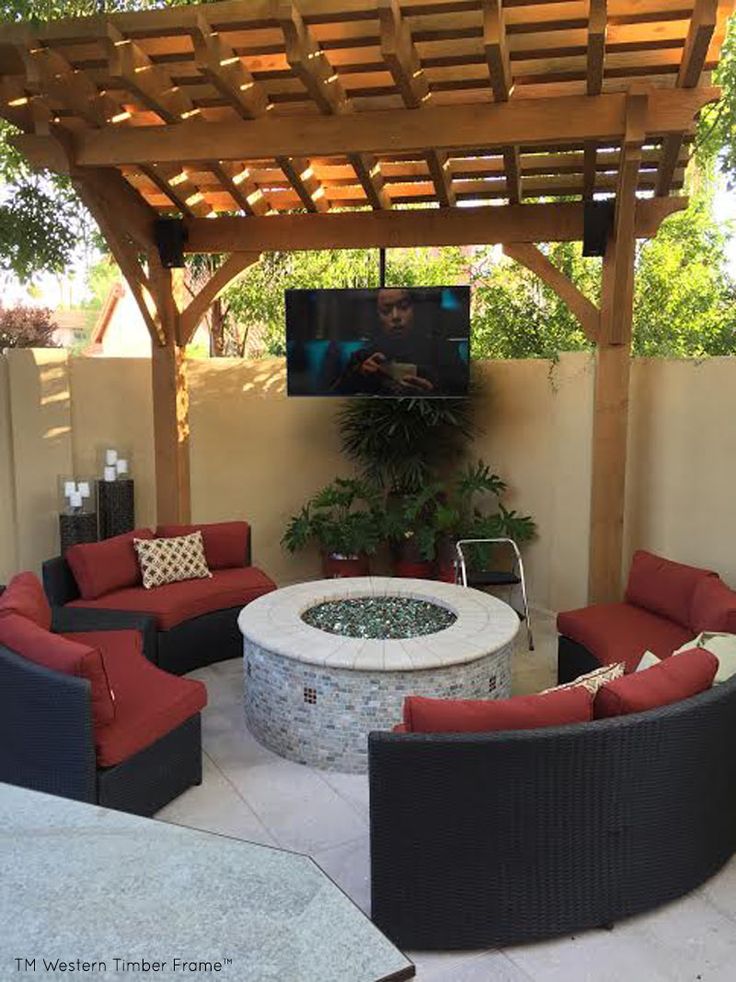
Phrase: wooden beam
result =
(130, 66)
(608, 484)
(613, 358)
(590, 168)
(237, 181)
(497, 50)
(597, 24)
(311, 64)
(170, 398)
(700, 33)
(222, 278)
(559, 222)
(112, 226)
(301, 176)
(223, 69)
(400, 54)
(512, 167)
(179, 189)
(444, 128)
(586, 313)
(171, 433)
(617, 301)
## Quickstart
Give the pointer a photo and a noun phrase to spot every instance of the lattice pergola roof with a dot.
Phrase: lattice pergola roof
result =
(263, 106)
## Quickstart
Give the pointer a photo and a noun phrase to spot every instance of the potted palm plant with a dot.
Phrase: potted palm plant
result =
(345, 520)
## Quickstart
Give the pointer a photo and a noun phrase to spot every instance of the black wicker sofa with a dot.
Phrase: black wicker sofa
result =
(50, 734)
(194, 623)
(491, 839)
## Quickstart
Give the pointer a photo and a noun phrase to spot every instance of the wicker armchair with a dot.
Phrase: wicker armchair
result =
(47, 738)
(491, 839)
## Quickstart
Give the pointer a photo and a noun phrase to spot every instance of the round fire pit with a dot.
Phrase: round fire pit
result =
(328, 661)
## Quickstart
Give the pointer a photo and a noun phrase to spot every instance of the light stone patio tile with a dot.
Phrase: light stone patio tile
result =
(215, 806)
(490, 966)
(352, 787)
(348, 865)
(300, 810)
(720, 890)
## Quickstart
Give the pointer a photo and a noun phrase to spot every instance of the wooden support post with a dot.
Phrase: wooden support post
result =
(613, 364)
(170, 400)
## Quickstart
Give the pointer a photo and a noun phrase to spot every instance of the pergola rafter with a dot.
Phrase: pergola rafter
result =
(303, 124)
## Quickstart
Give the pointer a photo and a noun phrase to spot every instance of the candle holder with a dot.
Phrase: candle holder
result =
(115, 494)
(77, 514)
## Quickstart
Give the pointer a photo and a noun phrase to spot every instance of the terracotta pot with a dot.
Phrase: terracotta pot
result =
(418, 570)
(335, 566)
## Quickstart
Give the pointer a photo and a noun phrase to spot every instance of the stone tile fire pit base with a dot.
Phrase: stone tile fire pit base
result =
(313, 697)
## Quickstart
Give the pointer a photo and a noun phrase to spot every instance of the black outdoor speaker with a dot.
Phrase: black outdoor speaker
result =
(597, 225)
(171, 235)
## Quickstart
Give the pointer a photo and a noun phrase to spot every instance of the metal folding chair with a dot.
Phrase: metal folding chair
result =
(485, 579)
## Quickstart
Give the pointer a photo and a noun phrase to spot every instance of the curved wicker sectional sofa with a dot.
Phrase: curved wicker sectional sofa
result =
(490, 839)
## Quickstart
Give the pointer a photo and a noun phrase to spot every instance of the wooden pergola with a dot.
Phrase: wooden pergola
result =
(311, 124)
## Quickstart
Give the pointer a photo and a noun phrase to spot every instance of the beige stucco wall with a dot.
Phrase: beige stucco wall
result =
(258, 455)
(681, 496)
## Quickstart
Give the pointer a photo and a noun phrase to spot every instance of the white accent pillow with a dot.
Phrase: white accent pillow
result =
(648, 660)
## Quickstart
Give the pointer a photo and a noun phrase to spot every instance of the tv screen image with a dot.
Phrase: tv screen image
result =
(391, 341)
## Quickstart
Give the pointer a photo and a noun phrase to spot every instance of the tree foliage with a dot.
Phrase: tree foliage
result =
(26, 327)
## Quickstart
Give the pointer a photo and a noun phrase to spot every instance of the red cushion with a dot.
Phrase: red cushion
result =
(622, 632)
(423, 715)
(176, 602)
(225, 543)
(714, 607)
(61, 654)
(400, 728)
(149, 702)
(24, 595)
(101, 567)
(663, 587)
(676, 678)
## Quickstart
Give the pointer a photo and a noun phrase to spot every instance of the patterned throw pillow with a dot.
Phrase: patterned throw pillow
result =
(592, 681)
(171, 560)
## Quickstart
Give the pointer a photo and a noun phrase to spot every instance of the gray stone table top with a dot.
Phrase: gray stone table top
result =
(88, 883)
(483, 624)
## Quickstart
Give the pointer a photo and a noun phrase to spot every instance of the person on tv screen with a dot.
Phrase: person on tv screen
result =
(403, 357)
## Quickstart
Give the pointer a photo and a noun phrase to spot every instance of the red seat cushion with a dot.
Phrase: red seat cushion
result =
(24, 595)
(422, 715)
(101, 567)
(225, 543)
(62, 654)
(663, 587)
(149, 703)
(176, 602)
(713, 608)
(676, 678)
(622, 632)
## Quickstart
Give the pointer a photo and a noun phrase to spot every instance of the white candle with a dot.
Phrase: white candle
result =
(110, 473)
(75, 500)
(83, 488)
(111, 457)
(122, 465)
(69, 488)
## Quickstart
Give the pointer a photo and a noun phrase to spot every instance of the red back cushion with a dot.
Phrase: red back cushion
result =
(61, 655)
(225, 543)
(100, 567)
(663, 587)
(423, 715)
(24, 596)
(714, 607)
(675, 678)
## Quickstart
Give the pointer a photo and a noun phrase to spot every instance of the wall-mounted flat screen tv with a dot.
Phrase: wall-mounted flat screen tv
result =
(392, 341)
